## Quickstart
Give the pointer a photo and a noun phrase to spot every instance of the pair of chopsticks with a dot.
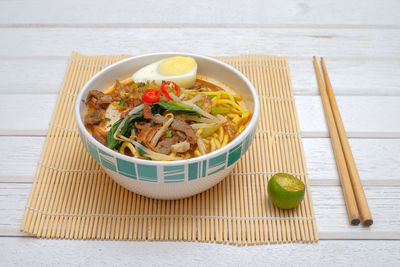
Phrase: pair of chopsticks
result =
(356, 202)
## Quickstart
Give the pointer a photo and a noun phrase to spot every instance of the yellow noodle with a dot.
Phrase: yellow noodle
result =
(238, 97)
(241, 129)
(224, 106)
(243, 106)
(229, 95)
(221, 94)
(236, 119)
(221, 132)
(191, 93)
(197, 153)
(236, 111)
(217, 143)
(173, 154)
(212, 93)
(245, 117)
(231, 115)
(215, 100)
(232, 103)
(233, 110)
(207, 148)
(226, 140)
(212, 145)
(129, 146)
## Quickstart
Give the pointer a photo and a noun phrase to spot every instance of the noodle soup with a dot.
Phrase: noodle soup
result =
(161, 120)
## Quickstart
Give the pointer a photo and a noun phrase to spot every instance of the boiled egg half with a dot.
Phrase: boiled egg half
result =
(179, 69)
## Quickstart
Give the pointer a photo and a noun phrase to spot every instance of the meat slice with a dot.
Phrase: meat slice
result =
(181, 135)
(181, 147)
(130, 94)
(99, 137)
(158, 119)
(103, 101)
(134, 98)
(205, 102)
(93, 117)
(186, 128)
(164, 146)
(142, 124)
(146, 133)
(98, 99)
(147, 111)
(231, 128)
(143, 131)
(93, 95)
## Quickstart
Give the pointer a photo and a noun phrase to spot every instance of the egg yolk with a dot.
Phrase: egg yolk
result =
(176, 65)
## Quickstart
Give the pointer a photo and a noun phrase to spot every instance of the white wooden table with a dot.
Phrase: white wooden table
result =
(359, 39)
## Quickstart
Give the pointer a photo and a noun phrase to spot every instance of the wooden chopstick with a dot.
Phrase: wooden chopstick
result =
(366, 217)
(352, 210)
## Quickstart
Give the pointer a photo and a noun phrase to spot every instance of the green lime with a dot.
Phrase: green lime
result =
(285, 190)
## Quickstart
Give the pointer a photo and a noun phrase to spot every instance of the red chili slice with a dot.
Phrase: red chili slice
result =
(171, 85)
(151, 96)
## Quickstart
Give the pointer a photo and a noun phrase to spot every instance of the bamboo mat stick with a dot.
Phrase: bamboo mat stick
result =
(267, 162)
(297, 152)
(280, 122)
(288, 157)
(359, 194)
(352, 211)
(262, 163)
(271, 146)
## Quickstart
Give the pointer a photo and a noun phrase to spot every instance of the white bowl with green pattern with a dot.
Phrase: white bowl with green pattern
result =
(170, 179)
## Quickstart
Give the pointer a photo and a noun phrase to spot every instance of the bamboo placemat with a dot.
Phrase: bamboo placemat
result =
(73, 198)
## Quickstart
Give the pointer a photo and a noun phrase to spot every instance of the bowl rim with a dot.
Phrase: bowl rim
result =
(251, 125)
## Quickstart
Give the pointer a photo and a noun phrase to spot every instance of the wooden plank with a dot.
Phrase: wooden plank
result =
(177, 12)
(331, 213)
(358, 113)
(36, 113)
(363, 116)
(349, 77)
(37, 252)
(20, 158)
(377, 160)
(28, 75)
(368, 77)
(328, 202)
(348, 43)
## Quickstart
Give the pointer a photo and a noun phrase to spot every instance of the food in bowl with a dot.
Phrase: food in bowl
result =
(170, 179)
(165, 112)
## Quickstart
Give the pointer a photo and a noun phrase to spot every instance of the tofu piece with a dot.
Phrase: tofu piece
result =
(113, 114)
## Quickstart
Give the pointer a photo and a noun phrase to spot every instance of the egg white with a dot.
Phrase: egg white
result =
(151, 73)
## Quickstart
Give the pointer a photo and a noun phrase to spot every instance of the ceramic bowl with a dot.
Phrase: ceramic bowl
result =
(170, 179)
